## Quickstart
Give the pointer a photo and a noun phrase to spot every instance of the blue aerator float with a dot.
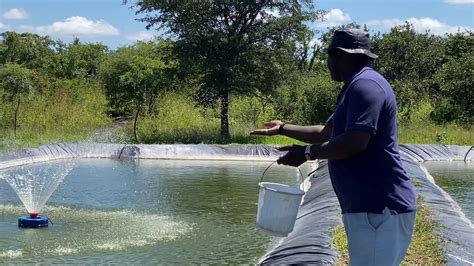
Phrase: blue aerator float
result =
(33, 221)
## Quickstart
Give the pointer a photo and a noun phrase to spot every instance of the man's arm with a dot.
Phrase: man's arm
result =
(341, 147)
(308, 134)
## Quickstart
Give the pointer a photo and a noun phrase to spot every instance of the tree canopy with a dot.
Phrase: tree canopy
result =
(231, 46)
(258, 58)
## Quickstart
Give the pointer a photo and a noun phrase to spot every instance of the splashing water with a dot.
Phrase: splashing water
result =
(97, 231)
(34, 183)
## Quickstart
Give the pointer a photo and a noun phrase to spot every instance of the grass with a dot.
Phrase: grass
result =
(425, 133)
(14, 144)
(73, 109)
(180, 121)
(425, 248)
(429, 133)
(65, 111)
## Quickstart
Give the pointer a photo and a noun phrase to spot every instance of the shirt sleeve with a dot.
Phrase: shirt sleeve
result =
(364, 101)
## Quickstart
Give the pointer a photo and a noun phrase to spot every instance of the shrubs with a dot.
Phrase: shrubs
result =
(65, 110)
(179, 120)
(455, 81)
(308, 99)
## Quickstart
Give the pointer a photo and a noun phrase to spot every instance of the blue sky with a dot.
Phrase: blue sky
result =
(110, 22)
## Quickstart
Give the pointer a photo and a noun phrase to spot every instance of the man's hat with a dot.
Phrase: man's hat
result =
(353, 41)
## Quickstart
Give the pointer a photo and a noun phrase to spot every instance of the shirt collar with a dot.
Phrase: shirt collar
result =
(346, 83)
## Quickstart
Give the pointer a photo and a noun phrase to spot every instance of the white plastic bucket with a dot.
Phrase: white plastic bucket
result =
(278, 206)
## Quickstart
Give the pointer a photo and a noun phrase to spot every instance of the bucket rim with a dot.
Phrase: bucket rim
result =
(273, 233)
(262, 186)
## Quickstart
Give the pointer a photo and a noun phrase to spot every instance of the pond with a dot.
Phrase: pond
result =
(457, 179)
(145, 211)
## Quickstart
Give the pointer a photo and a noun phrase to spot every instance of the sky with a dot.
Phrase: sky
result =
(114, 24)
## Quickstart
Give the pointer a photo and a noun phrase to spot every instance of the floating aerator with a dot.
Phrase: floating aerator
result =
(33, 221)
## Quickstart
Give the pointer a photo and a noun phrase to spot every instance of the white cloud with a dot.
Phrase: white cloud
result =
(274, 12)
(334, 17)
(75, 26)
(421, 25)
(16, 13)
(459, 2)
(315, 41)
(140, 36)
(4, 27)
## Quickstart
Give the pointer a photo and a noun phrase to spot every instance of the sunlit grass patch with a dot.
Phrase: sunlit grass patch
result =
(430, 133)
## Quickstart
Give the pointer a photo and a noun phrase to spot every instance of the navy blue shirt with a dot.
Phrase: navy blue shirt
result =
(373, 179)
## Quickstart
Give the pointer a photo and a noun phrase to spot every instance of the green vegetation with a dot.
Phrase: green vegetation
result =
(425, 248)
(232, 47)
(15, 81)
(69, 111)
(133, 77)
(451, 134)
(231, 67)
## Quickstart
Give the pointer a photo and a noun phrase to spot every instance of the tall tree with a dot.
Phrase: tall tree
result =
(454, 101)
(16, 81)
(232, 46)
(79, 60)
(134, 76)
(408, 54)
(28, 49)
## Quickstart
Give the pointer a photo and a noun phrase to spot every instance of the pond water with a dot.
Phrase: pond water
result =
(145, 211)
(457, 179)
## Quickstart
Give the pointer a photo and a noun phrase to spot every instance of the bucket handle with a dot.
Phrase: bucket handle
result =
(261, 179)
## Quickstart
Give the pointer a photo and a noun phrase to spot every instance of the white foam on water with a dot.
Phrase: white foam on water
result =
(122, 244)
(85, 230)
(60, 250)
(10, 209)
(110, 246)
(11, 254)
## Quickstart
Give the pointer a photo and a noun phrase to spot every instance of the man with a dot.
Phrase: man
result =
(377, 198)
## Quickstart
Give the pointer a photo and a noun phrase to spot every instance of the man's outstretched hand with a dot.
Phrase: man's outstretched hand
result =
(271, 128)
(294, 157)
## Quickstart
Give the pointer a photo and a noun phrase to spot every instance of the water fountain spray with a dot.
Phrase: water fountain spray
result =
(34, 184)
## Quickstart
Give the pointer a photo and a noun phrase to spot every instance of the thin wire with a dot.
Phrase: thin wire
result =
(268, 167)
(465, 157)
(261, 179)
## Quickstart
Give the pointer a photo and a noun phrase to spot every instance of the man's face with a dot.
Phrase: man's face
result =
(333, 63)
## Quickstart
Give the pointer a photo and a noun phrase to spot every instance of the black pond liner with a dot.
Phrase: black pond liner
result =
(310, 241)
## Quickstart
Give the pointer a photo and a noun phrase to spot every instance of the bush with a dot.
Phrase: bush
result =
(178, 120)
(309, 99)
(250, 111)
(455, 80)
(409, 95)
(64, 110)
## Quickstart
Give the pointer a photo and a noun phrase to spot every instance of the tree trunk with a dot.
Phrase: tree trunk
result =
(151, 105)
(225, 115)
(315, 54)
(15, 121)
(135, 123)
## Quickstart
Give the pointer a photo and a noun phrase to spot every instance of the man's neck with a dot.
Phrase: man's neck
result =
(350, 73)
